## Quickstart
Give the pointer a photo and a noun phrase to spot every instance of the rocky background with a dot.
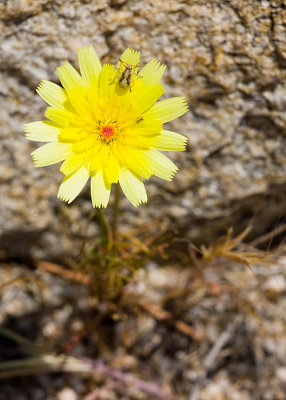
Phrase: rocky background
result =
(228, 58)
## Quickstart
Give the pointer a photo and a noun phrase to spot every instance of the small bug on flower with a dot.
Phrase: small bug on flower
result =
(126, 77)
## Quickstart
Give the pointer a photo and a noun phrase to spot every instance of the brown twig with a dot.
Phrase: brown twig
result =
(65, 273)
(162, 315)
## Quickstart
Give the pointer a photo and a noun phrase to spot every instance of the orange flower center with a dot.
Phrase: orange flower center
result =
(108, 131)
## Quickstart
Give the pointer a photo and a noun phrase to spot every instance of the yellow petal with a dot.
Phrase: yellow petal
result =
(106, 80)
(52, 93)
(42, 131)
(147, 127)
(59, 116)
(152, 72)
(99, 156)
(169, 109)
(72, 163)
(79, 102)
(145, 96)
(143, 142)
(69, 77)
(73, 184)
(169, 141)
(100, 189)
(137, 161)
(132, 187)
(89, 65)
(92, 96)
(111, 169)
(85, 144)
(50, 153)
(161, 165)
(70, 134)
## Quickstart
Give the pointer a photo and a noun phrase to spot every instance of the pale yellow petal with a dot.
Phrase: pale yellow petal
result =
(133, 187)
(166, 110)
(89, 65)
(129, 56)
(52, 93)
(69, 77)
(152, 72)
(100, 190)
(50, 153)
(73, 184)
(161, 165)
(169, 141)
(42, 131)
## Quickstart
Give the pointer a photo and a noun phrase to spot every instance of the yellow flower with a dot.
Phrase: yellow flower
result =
(107, 127)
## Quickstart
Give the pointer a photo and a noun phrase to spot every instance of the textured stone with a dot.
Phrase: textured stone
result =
(227, 57)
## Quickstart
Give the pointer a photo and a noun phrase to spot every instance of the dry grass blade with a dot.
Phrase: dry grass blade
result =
(227, 248)
(26, 344)
(43, 363)
(20, 279)
(138, 244)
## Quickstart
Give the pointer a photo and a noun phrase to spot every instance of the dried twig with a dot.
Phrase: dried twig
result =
(210, 360)
(162, 315)
(212, 356)
(65, 273)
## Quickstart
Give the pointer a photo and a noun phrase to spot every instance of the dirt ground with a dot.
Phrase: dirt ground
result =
(192, 325)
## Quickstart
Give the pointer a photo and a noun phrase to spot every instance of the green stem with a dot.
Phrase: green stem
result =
(116, 211)
(102, 227)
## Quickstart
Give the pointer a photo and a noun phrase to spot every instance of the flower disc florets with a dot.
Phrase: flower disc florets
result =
(108, 131)
(105, 131)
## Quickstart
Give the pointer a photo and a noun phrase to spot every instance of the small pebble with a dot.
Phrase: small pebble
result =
(67, 394)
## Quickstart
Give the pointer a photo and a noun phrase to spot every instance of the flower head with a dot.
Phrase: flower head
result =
(106, 124)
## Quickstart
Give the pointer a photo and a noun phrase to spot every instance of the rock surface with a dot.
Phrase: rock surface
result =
(227, 57)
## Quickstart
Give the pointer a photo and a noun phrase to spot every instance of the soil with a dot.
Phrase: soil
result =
(188, 326)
